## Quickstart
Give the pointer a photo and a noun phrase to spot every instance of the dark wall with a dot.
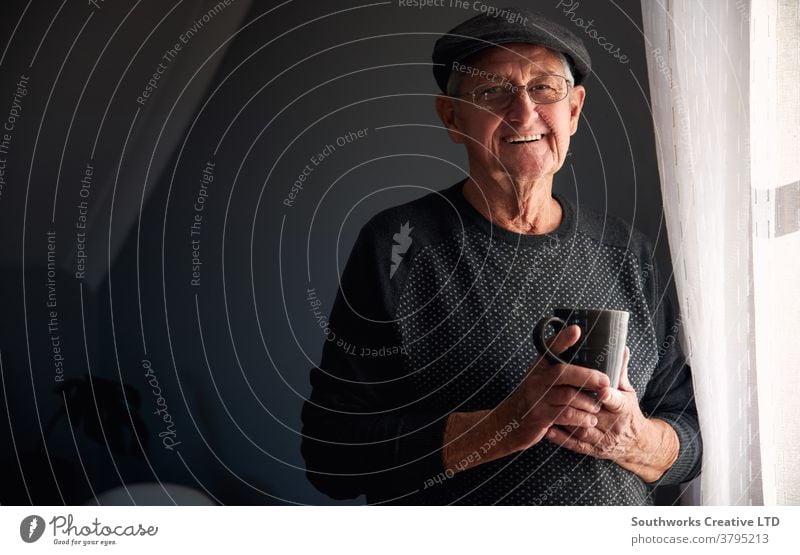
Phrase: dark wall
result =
(228, 357)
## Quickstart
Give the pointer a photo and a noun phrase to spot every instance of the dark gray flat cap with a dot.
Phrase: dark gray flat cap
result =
(505, 26)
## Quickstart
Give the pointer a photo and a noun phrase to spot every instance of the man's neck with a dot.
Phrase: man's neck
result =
(528, 209)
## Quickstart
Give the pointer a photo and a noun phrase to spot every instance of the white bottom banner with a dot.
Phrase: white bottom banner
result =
(371, 530)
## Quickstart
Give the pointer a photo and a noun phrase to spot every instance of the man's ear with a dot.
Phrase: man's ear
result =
(447, 113)
(576, 98)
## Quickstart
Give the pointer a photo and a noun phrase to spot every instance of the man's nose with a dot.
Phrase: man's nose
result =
(522, 108)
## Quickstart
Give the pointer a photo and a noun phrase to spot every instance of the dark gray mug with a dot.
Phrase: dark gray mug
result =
(602, 342)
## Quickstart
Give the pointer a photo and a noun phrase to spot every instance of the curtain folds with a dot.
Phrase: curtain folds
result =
(723, 81)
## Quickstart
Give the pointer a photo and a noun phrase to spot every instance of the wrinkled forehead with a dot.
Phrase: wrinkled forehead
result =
(517, 60)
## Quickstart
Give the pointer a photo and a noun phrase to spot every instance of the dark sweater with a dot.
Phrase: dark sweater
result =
(434, 314)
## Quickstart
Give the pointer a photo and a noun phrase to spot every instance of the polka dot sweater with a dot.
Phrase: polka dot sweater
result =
(435, 313)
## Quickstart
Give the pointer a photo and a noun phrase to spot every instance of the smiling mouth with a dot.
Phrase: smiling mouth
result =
(521, 139)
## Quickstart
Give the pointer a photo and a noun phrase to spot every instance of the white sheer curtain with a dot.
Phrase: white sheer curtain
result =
(724, 77)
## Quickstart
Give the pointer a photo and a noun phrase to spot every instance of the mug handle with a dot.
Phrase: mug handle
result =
(539, 342)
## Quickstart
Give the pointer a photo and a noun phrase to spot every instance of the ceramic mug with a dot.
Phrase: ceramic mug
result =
(601, 345)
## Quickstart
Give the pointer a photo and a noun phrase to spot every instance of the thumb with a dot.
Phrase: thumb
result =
(614, 399)
(564, 339)
(624, 383)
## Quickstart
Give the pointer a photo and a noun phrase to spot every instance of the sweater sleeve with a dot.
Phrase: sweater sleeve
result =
(362, 433)
(670, 393)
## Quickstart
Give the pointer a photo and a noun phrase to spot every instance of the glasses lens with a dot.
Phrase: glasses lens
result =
(547, 89)
(495, 97)
(542, 90)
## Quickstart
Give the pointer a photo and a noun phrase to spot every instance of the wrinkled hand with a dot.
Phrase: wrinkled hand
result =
(620, 425)
(550, 395)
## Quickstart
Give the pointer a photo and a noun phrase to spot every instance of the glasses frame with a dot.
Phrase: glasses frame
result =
(515, 88)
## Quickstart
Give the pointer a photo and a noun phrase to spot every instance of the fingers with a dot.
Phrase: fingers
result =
(564, 339)
(570, 396)
(565, 439)
(579, 376)
(569, 374)
(568, 406)
(591, 436)
(564, 406)
(570, 416)
(586, 442)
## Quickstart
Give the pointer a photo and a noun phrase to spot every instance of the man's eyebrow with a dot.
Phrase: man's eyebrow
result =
(498, 76)
(506, 76)
(537, 69)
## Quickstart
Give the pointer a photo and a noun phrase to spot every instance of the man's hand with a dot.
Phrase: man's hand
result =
(646, 447)
(550, 394)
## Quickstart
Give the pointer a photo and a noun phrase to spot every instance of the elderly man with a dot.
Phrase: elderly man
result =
(430, 390)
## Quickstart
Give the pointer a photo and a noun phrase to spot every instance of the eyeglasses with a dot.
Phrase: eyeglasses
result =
(545, 89)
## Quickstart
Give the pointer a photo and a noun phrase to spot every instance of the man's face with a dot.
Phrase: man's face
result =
(488, 136)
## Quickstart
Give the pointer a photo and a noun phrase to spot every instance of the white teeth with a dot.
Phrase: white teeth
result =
(525, 138)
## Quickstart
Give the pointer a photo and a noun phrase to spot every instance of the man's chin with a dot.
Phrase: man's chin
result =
(528, 169)
(527, 174)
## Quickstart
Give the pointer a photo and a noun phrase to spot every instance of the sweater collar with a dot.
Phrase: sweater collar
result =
(470, 214)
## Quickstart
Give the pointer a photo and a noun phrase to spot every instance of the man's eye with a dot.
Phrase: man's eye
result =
(542, 87)
(490, 91)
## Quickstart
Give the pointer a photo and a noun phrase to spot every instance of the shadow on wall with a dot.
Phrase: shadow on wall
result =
(172, 340)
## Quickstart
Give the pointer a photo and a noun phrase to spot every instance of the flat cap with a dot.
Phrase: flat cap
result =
(503, 26)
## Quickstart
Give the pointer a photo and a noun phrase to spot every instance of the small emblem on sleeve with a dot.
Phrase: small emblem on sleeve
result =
(403, 241)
